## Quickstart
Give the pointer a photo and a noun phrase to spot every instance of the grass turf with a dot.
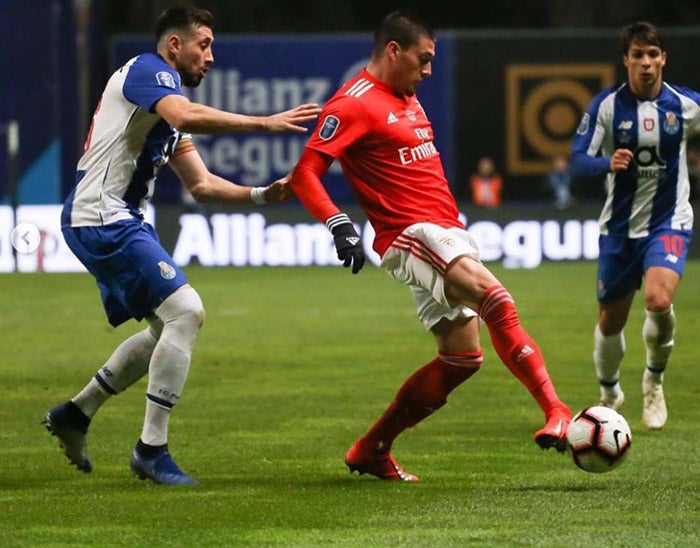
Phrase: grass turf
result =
(291, 367)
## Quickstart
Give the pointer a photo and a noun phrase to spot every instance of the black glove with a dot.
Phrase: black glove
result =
(347, 241)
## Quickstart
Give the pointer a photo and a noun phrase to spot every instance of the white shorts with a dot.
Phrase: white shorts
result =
(418, 258)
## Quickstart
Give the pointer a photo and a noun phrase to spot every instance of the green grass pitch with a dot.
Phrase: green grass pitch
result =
(292, 365)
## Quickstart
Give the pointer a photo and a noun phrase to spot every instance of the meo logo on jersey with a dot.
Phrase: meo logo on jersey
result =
(329, 127)
(164, 78)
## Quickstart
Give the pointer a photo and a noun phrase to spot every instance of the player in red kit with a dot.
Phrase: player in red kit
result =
(376, 128)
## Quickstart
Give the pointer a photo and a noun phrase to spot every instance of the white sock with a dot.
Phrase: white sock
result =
(127, 364)
(658, 331)
(653, 376)
(91, 397)
(182, 314)
(607, 356)
(155, 424)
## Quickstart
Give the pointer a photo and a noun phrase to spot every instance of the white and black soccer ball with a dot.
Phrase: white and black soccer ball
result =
(599, 439)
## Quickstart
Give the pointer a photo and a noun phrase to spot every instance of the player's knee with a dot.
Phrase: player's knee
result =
(610, 329)
(658, 302)
(193, 312)
(461, 365)
(184, 308)
(611, 323)
(466, 281)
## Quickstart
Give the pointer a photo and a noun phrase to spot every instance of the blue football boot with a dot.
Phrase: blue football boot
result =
(161, 469)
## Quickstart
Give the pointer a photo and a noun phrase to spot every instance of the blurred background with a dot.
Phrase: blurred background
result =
(362, 15)
(510, 82)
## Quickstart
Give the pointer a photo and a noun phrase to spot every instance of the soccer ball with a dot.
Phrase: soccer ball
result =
(599, 439)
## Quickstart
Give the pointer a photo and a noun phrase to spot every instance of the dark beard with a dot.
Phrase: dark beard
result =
(191, 81)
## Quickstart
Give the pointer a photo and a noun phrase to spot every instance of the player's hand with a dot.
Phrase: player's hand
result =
(290, 120)
(279, 191)
(621, 159)
(347, 241)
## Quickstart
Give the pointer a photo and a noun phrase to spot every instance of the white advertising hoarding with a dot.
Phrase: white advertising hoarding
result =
(254, 239)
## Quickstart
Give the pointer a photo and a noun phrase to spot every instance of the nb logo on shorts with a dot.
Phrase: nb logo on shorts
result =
(671, 258)
(166, 271)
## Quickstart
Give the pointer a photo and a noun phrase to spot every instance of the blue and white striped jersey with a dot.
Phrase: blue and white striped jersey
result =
(126, 146)
(653, 193)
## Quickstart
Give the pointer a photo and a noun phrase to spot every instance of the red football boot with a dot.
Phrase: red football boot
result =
(554, 432)
(378, 463)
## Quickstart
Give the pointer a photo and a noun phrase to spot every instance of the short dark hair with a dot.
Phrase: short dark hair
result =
(642, 32)
(402, 27)
(184, 19)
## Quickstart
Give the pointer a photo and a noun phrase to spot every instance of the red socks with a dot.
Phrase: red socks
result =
(515, 347)
(426, 390)
(423, 393)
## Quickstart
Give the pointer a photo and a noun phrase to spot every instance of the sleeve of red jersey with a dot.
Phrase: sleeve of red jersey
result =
(307, 185)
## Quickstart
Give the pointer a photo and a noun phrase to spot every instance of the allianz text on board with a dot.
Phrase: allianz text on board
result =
(253, 239)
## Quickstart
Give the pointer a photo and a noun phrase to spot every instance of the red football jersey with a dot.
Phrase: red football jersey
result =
(384, 143)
